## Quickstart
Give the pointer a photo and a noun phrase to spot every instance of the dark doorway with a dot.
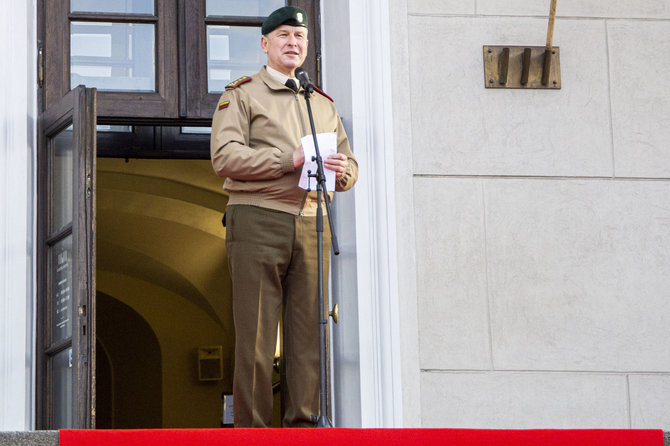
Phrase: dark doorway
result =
(161, 256)
(128, 368)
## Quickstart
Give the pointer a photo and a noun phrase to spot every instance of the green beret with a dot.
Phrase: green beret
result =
(288, 15)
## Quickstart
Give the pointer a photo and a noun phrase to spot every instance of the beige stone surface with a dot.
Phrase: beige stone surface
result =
(650, 406)
(579, 8)
(640, 97)
(451, 274)
(461, 128)
(578, 274)
(441, 6)
(523, 400)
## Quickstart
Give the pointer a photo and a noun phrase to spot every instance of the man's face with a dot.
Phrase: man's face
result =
(286, 47)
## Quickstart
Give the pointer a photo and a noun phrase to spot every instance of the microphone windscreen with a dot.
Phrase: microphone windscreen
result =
(303, 77)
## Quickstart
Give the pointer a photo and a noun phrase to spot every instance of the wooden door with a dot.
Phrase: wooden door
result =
(66, 262)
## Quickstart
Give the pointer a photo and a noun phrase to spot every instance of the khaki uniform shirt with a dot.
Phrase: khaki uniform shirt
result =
(256, 127)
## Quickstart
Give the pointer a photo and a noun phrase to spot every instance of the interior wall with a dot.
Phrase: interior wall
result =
(540, 217)
(103, 388)
(161, 253)
(180, 328)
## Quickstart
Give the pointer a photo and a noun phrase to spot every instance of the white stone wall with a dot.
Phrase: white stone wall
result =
(367, 346)
(541, 219)
(17, 224)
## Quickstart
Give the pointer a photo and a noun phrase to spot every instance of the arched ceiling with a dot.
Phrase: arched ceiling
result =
(159, 221)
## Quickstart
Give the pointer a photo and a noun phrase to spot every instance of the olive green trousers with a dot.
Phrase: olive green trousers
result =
(272, 257)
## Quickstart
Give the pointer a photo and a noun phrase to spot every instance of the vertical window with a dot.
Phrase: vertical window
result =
(233, 50)
(126, 49)
(113, 56)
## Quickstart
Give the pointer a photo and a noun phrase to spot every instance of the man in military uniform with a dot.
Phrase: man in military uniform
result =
(271, 239)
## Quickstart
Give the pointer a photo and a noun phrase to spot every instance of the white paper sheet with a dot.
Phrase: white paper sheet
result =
(327, 146)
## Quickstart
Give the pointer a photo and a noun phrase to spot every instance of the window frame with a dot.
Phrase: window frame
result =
(161, 104)
(153, 142)
(181, 95)
(195, 99)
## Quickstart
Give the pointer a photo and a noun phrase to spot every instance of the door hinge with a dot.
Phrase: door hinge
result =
(89, 185)
(40, 66)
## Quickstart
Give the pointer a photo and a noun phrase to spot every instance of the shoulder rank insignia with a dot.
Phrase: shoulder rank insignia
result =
(236, 83)
(223, 105)
(320, 91)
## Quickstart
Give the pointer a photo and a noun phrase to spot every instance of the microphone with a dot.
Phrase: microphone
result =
(304, 79)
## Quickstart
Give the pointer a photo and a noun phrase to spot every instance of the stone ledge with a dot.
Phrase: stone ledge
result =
(35, 438)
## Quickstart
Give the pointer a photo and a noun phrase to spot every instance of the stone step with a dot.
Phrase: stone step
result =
(34, 438)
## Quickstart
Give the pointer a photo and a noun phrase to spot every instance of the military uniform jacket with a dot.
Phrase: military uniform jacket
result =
(256, 127)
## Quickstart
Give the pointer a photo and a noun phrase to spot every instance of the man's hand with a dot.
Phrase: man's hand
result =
(338, 163)
(298, 157)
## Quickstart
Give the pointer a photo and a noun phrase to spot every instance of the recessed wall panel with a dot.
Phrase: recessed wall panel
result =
(451, 274)
(523, 401)
(461, 128)
(578, 274)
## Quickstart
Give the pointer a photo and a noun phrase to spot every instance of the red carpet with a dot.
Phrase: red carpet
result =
(366, 437)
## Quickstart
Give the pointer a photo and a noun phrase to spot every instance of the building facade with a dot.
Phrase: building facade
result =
(504, 253)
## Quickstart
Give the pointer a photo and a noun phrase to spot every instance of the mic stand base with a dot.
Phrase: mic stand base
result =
(323, 421)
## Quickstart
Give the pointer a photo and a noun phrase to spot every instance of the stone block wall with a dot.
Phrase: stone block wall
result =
(541, 219)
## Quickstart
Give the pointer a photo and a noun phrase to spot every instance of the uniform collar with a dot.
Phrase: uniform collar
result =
(280, 77)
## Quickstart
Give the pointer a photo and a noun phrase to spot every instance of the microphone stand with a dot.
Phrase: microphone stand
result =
(322, 420)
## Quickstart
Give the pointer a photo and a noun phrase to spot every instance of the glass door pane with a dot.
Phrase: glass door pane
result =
(61, 365)
(61, 184)
(61, 289)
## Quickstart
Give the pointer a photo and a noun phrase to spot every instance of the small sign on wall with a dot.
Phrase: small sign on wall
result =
(210, 363)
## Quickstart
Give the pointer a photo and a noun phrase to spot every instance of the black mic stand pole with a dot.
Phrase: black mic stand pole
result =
(322, 419)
